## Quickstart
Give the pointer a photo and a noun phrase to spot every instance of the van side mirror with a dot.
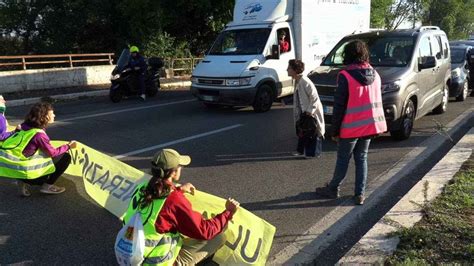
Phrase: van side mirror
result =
(426, 62)
(275, 51)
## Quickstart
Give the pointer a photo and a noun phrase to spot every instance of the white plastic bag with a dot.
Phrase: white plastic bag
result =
(130, 242)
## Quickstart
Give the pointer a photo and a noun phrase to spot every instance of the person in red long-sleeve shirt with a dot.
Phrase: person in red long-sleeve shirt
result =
(284, 44)
(203, 237)
(40, 116)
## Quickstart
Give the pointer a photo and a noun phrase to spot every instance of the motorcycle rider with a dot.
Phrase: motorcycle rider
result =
(137, 63)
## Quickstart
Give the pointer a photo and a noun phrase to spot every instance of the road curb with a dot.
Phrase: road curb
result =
(305, 248)
(96, 93)
(377, 243)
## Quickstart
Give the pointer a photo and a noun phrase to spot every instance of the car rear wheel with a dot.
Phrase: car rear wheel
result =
(263, 100)
(408, 120)
(463, 95)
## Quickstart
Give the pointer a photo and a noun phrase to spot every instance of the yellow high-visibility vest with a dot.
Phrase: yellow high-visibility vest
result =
(160, 249)
(13, 164)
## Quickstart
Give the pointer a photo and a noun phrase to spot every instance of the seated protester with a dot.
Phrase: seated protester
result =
(284, 44)
(3, 121)
(39, 162)
(167, 216)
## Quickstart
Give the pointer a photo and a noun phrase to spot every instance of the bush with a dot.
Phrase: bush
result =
(163, 45)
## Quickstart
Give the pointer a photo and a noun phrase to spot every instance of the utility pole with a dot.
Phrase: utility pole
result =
(414, 13)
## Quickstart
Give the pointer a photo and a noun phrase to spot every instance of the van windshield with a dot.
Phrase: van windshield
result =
(458, 56)
(384, 51)
(240, 42)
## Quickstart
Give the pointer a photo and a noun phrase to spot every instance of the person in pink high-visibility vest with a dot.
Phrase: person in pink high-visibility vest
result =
(358, 116)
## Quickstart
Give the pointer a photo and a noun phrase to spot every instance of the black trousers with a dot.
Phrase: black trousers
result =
(61, 162)
(311, 147)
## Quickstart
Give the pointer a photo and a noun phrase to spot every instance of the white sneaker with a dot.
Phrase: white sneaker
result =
(24, 188)
(52, 189)
(143, 96)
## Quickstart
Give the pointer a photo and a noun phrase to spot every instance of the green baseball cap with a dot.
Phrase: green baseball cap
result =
(169, 159)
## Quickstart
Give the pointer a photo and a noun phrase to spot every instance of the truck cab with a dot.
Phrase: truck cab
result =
(246, 65)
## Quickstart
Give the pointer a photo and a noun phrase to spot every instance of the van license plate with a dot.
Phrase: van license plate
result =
(327, 110)
(208, 98)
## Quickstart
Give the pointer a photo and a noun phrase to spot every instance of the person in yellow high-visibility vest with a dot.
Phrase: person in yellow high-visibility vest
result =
(167, 216)
(29, 156)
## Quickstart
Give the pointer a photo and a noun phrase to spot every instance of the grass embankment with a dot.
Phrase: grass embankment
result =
(445, 235)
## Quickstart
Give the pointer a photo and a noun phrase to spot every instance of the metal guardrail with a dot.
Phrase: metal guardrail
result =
(54, 59)
(182, 65)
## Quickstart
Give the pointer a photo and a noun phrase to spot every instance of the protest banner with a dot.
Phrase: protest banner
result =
(111, 184)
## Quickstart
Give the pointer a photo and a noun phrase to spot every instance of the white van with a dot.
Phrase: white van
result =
(246, 66)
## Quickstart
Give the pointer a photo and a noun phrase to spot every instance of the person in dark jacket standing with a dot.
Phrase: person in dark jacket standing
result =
(137, 63)
(470, 63)
(358, 116)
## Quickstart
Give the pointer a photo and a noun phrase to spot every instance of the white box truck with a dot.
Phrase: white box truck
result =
(246, 65)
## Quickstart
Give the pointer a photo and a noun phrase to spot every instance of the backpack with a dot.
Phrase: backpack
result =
(130, 242)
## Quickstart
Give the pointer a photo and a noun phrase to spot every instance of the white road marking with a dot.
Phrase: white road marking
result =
(283, 153)
(159, 146)
(125, 110)
(260, 158)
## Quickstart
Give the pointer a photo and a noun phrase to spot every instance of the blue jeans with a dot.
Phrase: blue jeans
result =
(345, 148)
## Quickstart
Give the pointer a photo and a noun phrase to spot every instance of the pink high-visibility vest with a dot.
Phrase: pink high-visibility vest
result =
(364, 113)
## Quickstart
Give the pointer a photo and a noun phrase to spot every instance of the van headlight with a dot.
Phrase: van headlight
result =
(238, 82)
(391, 87)
(114, 77)
(455, 73)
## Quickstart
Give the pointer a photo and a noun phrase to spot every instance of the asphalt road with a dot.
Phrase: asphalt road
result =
(235, 152)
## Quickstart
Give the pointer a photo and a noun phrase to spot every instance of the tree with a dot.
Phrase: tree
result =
(378, 11)
(21, 19)
(390, 14)
(455, 17)
(199, 21)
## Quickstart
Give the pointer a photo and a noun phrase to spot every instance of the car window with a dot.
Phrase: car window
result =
(436, 47)
(445, 46)
(425, 48)
(458, 56)
(240, 42)
(384, 51)
(283, 39)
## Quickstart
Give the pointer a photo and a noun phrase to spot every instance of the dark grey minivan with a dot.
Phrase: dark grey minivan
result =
(415, 69)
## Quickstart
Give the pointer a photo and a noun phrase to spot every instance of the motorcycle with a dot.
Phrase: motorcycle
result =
(125, 80)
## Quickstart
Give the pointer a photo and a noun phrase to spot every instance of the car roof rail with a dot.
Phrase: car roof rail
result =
(377, 29)
(423, 28)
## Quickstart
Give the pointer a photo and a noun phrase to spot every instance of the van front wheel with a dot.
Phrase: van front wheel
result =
(263, 99)
(441, 108)
(408, 119)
